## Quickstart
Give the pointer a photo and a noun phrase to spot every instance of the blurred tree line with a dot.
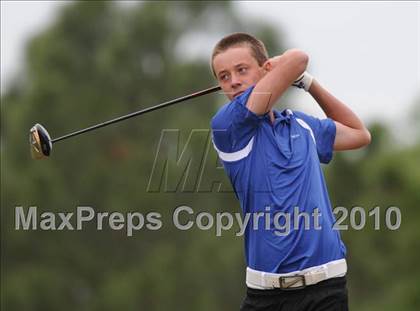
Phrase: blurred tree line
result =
(100, 60)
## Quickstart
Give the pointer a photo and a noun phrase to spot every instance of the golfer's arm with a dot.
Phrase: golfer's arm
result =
(351, 132)
(282, 72)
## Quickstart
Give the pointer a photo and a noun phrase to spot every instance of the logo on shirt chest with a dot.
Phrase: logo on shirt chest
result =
(293, 136)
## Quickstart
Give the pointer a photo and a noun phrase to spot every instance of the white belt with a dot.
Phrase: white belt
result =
(297, 279)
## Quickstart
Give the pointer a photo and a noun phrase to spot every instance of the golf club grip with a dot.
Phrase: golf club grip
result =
(137, 113)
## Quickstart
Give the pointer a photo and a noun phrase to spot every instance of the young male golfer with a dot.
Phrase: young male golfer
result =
(273, 161)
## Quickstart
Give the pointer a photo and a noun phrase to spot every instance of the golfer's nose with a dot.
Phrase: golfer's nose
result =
(235, 82)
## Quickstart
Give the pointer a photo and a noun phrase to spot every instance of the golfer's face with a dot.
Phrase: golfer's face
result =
(236, 70)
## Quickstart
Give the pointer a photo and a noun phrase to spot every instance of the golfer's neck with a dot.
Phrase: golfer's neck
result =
(272, 118)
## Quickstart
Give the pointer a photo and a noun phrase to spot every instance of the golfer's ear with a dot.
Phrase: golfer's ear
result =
(267, 66)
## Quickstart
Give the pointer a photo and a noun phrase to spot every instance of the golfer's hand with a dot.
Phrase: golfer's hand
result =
(304, 81)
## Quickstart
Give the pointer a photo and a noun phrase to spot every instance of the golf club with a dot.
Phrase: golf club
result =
(41, 142)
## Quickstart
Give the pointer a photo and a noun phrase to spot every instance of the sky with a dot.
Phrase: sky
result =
(366, 53)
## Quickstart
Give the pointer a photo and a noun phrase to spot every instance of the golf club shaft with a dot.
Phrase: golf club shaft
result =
(137, 113)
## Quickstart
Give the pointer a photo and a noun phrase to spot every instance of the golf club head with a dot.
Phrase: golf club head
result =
(40, 142)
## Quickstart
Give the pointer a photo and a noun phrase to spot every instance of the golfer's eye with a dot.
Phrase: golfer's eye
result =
(242, 70)
(224, 77)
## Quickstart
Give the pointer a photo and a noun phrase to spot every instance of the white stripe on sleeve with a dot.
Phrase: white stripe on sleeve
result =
(235, 156)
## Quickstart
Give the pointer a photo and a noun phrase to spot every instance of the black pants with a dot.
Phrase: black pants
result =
(324, 296)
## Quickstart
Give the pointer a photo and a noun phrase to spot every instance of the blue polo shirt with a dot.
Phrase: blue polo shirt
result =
(275, 170)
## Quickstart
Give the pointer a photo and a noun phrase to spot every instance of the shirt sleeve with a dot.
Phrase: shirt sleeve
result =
(324, 131)
(234, 125)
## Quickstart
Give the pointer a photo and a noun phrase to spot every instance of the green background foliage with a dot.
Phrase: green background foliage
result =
(100, 60)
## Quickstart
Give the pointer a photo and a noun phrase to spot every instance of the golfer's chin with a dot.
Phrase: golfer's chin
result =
(233, 95)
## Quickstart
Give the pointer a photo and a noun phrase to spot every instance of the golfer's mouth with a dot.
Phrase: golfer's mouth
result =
(237, 94)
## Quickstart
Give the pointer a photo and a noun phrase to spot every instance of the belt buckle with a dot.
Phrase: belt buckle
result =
(284, 285)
